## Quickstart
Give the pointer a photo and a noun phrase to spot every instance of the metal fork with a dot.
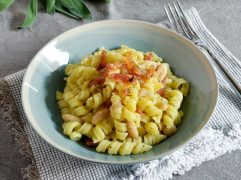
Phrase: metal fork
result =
(179, 23)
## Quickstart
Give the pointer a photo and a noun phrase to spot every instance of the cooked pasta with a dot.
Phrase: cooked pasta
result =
(123, 101)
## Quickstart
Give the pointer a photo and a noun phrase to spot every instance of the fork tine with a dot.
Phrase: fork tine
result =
(175, 19)
(169, 18)
(182, 25)
(176, 25)
(185, 19)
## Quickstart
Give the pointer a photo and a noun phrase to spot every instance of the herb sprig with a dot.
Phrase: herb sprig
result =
(73, 8)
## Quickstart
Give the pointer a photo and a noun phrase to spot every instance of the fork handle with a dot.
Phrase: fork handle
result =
(224, 70)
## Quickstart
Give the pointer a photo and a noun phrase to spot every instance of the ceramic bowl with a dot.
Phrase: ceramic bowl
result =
(45, 73)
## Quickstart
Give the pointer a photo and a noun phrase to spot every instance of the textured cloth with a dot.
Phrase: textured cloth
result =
(221, 135)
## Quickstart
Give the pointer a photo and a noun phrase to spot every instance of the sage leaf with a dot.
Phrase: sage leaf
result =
(51, 6)
(64, 11)
(75, 7)
(4, 4)
(31, 16)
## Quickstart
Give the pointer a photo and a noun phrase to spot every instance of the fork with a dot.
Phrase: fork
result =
(179, 23)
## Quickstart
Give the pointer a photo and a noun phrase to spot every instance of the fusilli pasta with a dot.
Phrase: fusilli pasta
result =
(122, 101)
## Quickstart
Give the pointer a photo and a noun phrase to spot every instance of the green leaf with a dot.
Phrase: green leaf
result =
(76, 8)
(64, 11)
(51, 6)
(4, 4)
(31, 14)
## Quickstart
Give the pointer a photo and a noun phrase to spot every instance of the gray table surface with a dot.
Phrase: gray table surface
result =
(222, 17)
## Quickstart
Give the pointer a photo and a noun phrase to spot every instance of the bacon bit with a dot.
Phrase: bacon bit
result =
(128, 63)
(137, 78)
(110, 67)
(105, 71)
(148, 57)
(161, 92)
(149, 73)
(131, 67)
(89, 142)
(102, 60)
(124, 92)
(99, 80)
(122, 77)
(138, 110)
(120, 65)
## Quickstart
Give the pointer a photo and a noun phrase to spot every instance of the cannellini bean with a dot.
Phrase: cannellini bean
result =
(169, 131)
(132, 129)
(100, 115)
(70, 117)
(161, 72)
(147, 64)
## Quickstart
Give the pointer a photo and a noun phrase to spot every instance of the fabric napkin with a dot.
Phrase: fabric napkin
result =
(221, 135)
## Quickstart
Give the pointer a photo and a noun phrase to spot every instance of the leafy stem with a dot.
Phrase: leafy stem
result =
(32, 13)
(73, 8)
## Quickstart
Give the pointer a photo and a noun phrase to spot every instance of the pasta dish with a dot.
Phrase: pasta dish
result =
(121, 101)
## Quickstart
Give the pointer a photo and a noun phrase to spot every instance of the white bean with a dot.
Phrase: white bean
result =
(100, 115)
(131, 129)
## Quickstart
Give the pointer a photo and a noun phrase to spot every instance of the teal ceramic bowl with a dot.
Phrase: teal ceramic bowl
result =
(45, 74)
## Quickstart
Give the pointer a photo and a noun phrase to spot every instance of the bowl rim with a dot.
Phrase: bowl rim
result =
(93, 25)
